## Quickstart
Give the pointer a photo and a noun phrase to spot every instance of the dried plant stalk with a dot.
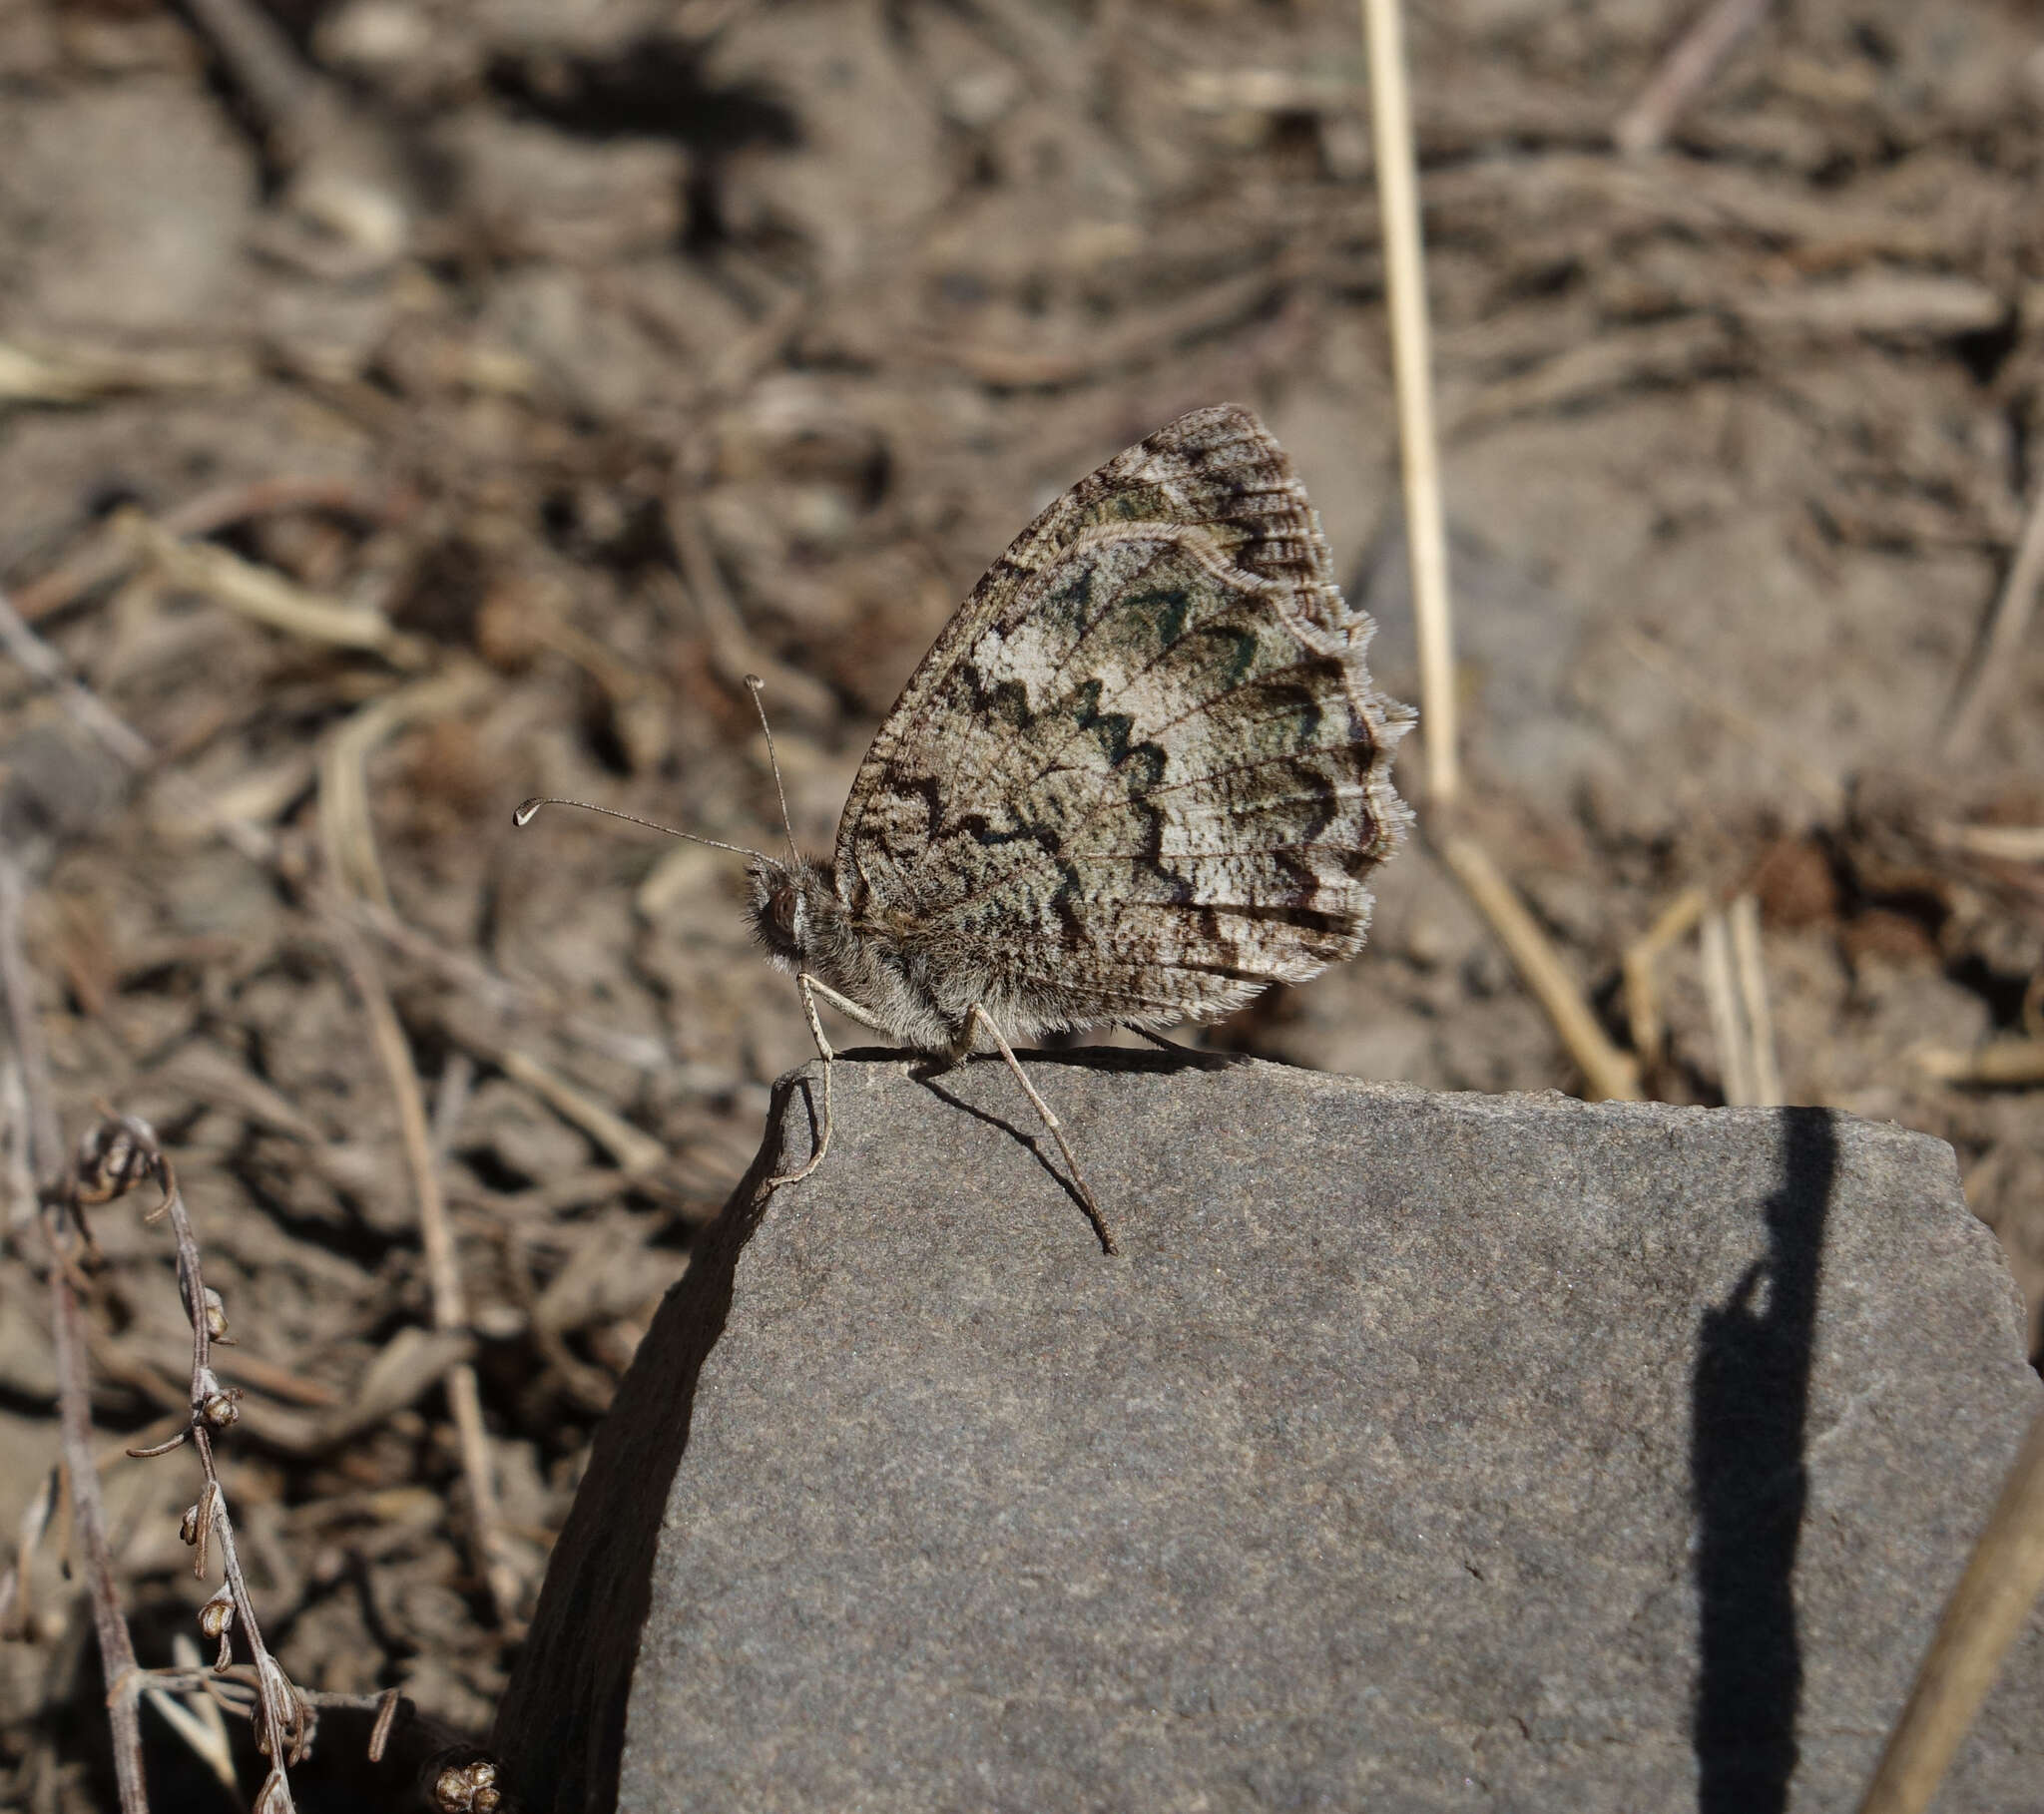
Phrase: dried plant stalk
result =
(1983, 1617)
(1682, 76)
(1406, 282)
(1763, 1063)
(1641, 994)
(1607, 1073)
(450, 1312)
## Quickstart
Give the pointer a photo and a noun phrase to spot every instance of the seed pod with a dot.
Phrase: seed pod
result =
(216, 1617)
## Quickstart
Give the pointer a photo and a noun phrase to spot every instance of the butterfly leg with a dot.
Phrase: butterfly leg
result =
(1057, 1131)
(807, 989)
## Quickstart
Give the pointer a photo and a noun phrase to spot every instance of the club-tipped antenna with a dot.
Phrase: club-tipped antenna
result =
(530, 812)
(753, 686)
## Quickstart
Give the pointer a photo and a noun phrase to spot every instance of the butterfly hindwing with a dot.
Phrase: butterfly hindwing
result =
(1143, 773)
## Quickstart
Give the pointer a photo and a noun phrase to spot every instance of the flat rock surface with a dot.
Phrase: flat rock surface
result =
(1421, 1451)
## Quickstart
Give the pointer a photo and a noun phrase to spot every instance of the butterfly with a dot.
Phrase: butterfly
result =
(1142, 775)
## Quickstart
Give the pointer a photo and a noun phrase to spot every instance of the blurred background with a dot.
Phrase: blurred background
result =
(407, 406)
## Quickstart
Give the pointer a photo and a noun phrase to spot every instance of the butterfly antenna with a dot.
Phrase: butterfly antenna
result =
(530, 812)
(753, 686)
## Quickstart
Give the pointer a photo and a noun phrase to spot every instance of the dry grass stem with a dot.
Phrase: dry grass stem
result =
(1727, 1017)
(111, 553)
(346, 833)
(1607, 1073)
(1983, 1617)
(450, 1310)
(1741, 1018)
(1641, 991)
(634, 1152)
(89, 1529)
(44, 1138)
(1412, 364)
(1996, 660)
(79, 374)
(36, 658)
(2002, 843)
(1756, 1016)
(2005, 1061)
(119, 738)
(195, 1717)
(1682, 76)
(266, 596)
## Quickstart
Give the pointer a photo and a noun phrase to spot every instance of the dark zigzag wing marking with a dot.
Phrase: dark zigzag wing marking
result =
(1281, 722)
(1142, 607)
(1307, 704)
(1152, 688)
(1088, 620)
(1123, 607)
(1158, 683)
(1216, 467)
(1338, 769)
(1238, 815)
(1300, 707)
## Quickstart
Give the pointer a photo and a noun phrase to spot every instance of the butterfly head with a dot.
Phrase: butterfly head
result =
(788, 904)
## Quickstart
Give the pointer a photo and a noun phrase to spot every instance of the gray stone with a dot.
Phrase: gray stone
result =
(1423, 1452)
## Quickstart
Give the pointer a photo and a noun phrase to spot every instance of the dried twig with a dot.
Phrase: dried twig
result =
(118, 1154)
(1607, 1073)
(77, 374)
(120, 739)
(1983, 1617)
(1688, 67)
(110, 555)
(1405, 280)
(634, 1152)
(266, 596)
(2005, 632)
(89, 1522)
(38, 658)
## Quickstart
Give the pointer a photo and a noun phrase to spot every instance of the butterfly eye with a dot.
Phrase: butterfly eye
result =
(780, 910)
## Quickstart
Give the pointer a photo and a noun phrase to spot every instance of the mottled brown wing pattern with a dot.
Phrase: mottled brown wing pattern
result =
(1141, 774)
